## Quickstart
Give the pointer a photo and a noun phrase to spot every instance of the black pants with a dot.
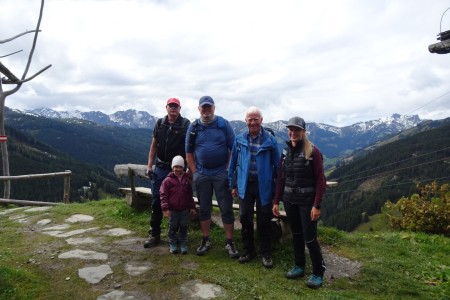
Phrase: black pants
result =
(263, 219)
(157, 214)
(304, 231)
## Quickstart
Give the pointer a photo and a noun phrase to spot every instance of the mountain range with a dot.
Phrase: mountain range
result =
(333, 141)
(373, 161)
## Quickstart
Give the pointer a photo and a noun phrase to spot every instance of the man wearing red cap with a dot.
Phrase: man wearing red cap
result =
(168, 140)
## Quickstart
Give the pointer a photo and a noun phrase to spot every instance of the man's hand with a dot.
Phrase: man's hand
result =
(190, 174)
(150, 174)
(234, 192)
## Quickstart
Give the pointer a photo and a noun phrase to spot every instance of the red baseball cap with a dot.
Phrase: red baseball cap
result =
(173, 100)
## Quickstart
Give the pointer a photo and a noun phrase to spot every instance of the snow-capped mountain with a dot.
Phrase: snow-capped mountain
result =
(338, 141)
(333, 141)
(129, 118)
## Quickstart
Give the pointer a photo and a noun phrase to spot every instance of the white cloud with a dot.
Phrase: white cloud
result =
(335, 62)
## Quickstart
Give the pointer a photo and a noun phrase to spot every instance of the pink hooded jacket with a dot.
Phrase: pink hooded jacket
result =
(175, 194)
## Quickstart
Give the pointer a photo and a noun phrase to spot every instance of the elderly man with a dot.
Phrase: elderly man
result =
(168, 139)
(208, 145)
(253, 166)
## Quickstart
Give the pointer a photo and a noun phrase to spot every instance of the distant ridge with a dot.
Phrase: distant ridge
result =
(332, 140)
(129, 118)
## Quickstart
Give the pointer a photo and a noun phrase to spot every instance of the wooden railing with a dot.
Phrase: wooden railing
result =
(66, 197)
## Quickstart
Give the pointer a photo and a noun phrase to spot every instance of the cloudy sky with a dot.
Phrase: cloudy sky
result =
(333, 62)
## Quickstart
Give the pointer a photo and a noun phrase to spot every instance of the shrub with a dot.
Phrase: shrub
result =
(427, 211)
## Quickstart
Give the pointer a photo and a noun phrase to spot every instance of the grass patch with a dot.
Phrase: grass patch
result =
(395, 265)
(378, 222)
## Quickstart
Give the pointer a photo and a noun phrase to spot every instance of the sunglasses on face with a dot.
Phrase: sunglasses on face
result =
(173, 105)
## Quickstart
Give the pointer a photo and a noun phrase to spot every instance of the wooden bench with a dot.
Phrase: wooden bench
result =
(141, 197)
(136, 197)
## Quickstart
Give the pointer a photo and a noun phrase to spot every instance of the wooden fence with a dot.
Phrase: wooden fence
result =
(66, 197)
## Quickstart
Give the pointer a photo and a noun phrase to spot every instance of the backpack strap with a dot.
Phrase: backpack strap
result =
(158, 124)
(270, 130)
(184, 121)
(193, 133)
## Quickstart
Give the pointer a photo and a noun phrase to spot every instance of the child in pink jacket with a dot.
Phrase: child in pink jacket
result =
(176, 203)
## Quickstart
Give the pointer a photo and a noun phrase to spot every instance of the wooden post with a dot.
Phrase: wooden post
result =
(66, 198)
(132, 185)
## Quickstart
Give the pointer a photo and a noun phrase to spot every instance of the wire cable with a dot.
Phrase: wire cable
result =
(428, 103)
(390, 171)
(440, 24)
(390, 164)
(387, 185)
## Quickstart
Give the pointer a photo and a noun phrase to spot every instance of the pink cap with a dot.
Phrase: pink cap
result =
(173, 100)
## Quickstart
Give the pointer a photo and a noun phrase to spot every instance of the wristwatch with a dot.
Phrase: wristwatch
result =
(317, 206)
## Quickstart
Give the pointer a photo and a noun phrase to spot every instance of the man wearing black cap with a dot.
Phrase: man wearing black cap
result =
(301, 185)
(208, 145)
(168, 139)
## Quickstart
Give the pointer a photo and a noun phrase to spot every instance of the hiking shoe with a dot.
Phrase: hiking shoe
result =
(173, 248)
(184, 249)
(246, 257)
(267, 262)
(152, 242)
(295, 272)
(204, 246)
(315, 282)
(231, 250)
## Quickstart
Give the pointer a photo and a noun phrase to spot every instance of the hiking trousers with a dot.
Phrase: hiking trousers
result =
(263, 219)
(178, 227)
(304, 231)
(157, 215)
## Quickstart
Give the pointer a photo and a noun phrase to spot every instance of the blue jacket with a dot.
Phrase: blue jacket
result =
(267, 164)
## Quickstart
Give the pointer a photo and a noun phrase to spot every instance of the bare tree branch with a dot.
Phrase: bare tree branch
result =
(10, 54)
(36, 32)
(12, 91)
(6, 81)
(15, 37)
(3, 95)
(7, 72)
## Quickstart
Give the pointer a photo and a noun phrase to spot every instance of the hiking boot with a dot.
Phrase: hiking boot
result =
(295, 272)
(315, 282)
(231, 250)
(204, 246)
(246, 257)
(152, 242)
(267, 262)
(184, 249)
(173, 248)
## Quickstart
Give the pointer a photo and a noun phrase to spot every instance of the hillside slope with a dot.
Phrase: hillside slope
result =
(388, 172)
(86, 141)
(29, 156)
